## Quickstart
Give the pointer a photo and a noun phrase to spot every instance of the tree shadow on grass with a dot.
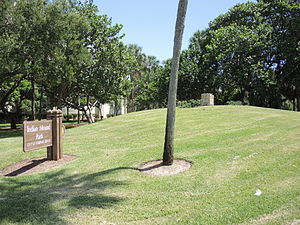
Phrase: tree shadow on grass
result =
(8, 133)
(36, 199)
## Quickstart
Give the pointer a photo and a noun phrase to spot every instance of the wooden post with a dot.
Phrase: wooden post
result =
(50, 149)
(55, 151)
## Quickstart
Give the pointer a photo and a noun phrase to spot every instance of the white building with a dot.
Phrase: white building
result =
(104, 111)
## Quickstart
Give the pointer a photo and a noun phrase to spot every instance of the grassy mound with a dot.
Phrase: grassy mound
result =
(235, 150)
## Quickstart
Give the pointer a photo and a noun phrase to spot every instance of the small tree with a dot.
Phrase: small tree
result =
(170, 124)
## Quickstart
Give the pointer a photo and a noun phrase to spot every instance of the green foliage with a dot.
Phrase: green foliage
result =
(162, 83)
(234, 103)
(64, 48)
(110, 115)
(66, 51)
(249, 54)
(141, 83)
(191, 103)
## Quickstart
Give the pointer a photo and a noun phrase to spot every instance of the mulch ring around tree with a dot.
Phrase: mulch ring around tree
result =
(156, 168)
(36, 165)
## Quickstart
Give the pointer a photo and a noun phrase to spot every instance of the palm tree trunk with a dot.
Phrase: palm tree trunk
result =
(170, 123)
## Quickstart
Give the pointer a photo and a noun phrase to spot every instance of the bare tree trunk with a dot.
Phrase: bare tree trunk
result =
(33, 99)
(298, 102)
(170, 123)
(88, 110)
(100, 112)
(86, 114)
(41, 104)
(13, 120)
(68, 114)
(14, 115)
(132, 102)
(78, 112)
(89, 115)
(125, 105)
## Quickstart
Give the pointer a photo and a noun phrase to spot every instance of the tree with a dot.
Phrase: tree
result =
(145, 90)
(63, 47)
(249, 54)
(197, 70)
(99, 81)
(284, 17)
(162, 84)
(170, 123)
(21, 50)
(138, 65)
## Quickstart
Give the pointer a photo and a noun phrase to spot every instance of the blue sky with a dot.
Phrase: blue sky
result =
(151, 23)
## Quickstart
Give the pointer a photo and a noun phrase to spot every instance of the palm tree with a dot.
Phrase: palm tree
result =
(170, 123)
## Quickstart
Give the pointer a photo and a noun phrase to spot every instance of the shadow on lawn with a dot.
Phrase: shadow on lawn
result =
(8, 133)
(32, 199)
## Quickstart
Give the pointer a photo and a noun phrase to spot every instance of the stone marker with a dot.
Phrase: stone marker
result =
(207, 98)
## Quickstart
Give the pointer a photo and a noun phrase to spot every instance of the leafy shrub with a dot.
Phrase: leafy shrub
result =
(287, 105)
(110, 115)
(190, 103)
(72, 116)
(234, 103)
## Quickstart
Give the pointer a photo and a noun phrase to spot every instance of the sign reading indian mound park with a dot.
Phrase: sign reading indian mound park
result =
(37, 134)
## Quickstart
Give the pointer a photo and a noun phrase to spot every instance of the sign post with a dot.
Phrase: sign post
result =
(54, 152)
(45, 133)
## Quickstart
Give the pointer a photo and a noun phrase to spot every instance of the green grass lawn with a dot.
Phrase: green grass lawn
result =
(235, 150)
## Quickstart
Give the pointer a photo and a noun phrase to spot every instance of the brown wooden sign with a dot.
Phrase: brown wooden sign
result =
(37, 134)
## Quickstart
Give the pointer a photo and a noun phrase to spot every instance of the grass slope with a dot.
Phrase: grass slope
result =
(235, 150)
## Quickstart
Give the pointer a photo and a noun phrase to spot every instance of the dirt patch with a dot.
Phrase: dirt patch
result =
(156, 168)
(36, 165)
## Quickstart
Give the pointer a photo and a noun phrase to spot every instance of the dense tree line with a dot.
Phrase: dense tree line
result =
(58, 52)
(250, 54)
(63, 53)
(141, 89)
